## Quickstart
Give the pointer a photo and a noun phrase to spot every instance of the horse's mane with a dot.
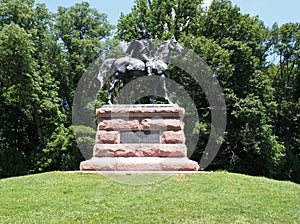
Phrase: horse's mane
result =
(160, 49)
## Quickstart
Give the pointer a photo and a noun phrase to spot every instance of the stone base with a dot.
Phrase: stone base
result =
(140, 150)
(139, 164)
(140, 138)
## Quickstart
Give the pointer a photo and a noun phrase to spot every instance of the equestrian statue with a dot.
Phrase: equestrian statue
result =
(140, 61)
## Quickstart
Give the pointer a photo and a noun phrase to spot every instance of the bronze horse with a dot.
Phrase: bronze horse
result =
(126, 68)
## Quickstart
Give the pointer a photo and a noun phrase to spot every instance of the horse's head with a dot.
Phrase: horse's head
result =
(174, 45)
(163, 52)
(105, 70)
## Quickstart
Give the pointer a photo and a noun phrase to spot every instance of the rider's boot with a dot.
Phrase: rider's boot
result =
(148, 68)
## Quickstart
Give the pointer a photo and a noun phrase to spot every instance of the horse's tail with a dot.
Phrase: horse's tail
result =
(105, 70)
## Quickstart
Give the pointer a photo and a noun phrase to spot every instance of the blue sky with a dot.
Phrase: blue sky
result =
(112, 8)
(269, 11)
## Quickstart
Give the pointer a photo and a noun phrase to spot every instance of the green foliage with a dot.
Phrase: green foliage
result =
(286, 47)
(254, 141)
(163, 19)
(12, 162)
(60, 152)
(84, 34)
(86, 139)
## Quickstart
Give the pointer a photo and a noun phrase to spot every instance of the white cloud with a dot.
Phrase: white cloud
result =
(206, 3)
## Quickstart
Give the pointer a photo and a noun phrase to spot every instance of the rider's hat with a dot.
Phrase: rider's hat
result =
(144, 33)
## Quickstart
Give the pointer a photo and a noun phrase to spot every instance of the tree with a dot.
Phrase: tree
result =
(30, 107)
(162, 18)
(286, 76)
(16, 75)
(84, 34)
(29, 90)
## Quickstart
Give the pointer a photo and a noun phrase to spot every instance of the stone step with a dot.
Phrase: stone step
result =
(139, 164)
(153, 123)
(149, 110)
(140, 150)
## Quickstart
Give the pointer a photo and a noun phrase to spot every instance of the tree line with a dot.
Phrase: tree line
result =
(43, 55)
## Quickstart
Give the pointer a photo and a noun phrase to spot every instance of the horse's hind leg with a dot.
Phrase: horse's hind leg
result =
(164, 87)
(126, 91)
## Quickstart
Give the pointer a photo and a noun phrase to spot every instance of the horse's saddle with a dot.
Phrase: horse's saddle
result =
(158, 66)
(135, 65)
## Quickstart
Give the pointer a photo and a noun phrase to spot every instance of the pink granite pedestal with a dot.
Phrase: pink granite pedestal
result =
(140, 138)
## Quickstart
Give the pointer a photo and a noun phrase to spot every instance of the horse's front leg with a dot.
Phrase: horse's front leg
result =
(112, 87)
(153, 90)
(164, 87)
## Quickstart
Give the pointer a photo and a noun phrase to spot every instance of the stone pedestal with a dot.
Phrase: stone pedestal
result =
(140, 138)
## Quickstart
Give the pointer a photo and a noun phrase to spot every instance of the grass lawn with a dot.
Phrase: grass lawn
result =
(219, 197)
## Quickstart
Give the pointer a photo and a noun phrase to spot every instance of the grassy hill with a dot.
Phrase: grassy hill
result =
(218, 197)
